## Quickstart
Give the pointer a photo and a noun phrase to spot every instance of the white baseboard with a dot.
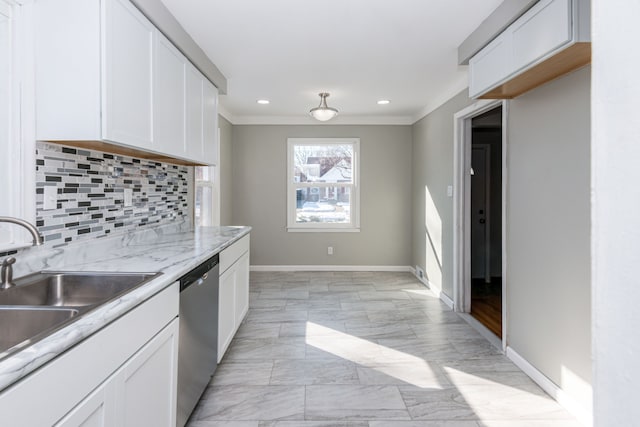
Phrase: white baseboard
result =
(482, 330)
(445, 299)
(391, 268)
(435, 289)
(581, 410)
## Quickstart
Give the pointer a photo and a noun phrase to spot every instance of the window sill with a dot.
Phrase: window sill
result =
(322, 230)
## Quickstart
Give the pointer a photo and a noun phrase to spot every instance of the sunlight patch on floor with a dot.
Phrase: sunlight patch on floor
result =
(405, 367)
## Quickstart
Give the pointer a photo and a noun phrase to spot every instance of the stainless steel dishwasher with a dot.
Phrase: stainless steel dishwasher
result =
(198, 345)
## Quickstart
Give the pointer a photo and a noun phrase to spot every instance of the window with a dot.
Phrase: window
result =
(206, 210)
(323, 184)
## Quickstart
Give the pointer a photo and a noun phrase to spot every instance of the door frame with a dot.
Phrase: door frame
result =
(461, 213)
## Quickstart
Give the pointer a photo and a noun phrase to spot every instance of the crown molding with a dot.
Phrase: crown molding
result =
(305, 120)
(460, 85)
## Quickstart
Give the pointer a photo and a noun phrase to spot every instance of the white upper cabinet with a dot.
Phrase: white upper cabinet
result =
(194, 147)
(17, 145)
(104, 73)
(547, 41)
(491, 64)
(169, 102)
(202, 117)
(210, 125)
(543, 29)
(127, 59)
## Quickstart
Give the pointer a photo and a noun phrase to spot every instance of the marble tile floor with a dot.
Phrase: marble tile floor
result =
(364, 349)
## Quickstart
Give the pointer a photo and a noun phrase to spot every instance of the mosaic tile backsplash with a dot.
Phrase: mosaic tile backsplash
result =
(90, 187)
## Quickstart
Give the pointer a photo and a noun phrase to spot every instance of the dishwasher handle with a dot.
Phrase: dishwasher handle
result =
(199, 274)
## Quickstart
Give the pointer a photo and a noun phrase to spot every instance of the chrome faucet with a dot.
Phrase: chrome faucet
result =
(6, 272)
(37, 238)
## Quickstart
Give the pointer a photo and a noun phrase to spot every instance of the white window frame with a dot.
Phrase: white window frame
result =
(213, 183)
(292, 186)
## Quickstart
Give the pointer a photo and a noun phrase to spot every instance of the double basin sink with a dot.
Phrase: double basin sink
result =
(42, 303)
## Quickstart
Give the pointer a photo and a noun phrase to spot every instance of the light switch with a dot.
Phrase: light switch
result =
(128, 197)
(50, 200)
(450, 191)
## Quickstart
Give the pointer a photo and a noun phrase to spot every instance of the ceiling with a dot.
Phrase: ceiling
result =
(360, 51)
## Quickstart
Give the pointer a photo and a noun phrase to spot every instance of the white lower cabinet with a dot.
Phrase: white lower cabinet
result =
(234, 292)
(147, 383)
(97, 410)
(241, 305)
(139, 393)
(226, 311)
(123, 375)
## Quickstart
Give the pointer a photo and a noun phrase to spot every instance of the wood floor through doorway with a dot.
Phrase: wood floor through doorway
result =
(486, 304)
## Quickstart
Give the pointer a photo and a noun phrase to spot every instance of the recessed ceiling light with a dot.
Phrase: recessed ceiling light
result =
(263, 101)
(383, 102)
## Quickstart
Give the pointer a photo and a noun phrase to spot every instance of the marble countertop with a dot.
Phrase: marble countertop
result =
(171, 250)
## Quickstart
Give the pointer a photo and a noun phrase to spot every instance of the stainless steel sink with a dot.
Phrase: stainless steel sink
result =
(70, 289)
(42, 303)
(24, 325)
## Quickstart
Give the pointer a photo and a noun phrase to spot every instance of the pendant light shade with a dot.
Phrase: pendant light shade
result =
(323, 112)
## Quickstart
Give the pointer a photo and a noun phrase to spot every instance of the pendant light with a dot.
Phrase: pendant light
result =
(323, 112)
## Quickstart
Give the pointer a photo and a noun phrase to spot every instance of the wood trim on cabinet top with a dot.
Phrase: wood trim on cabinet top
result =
(126, 151)
(570, 59)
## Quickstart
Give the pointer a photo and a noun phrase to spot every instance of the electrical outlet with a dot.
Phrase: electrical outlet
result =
(50, 200)
(330, 250)
(450, 191)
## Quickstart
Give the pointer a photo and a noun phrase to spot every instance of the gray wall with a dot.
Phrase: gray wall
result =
(548, 228)
(225, 162)
(548, 234)
(432, 172)
(259, 197)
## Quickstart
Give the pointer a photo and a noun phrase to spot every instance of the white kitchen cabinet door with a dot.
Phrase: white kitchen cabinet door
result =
(169, 100)
(194, 112)
(551, 27)
(146, 386)
(242, 288)
(103, 72)
(142, 392)
(233, 302)
(97, 410)
(226, 310)
(491, 65)
(543, 29)
(127, 75)
(113, 355)
(17, 144)
(67, 69)
(210, 123)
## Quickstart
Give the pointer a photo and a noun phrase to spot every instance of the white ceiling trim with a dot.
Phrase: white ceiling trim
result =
(458, 87)
(226, 114)
(306, 120)
(280, 50)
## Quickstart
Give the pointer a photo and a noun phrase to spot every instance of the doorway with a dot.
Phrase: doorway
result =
(479, 209)
(485, 214)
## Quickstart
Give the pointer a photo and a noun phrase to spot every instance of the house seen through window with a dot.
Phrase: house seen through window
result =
(323, 190)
